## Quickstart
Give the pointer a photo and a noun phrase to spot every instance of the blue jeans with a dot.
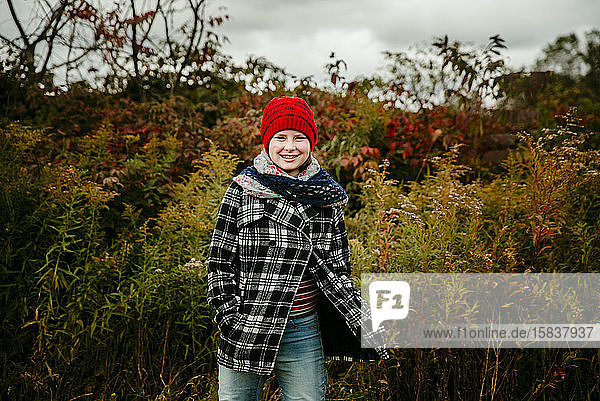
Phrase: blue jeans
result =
(299, 368)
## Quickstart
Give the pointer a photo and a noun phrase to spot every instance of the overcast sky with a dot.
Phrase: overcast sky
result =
(299, 35)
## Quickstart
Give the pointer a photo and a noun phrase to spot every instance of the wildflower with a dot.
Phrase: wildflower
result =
(195, 266)
(591, 173)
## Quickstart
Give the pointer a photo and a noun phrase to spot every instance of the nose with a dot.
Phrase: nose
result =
(290, 144)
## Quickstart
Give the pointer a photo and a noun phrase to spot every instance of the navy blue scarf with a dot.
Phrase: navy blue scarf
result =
(320, 189)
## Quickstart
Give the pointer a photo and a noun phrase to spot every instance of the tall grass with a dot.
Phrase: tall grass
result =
(101, 301)
(539, 214)
(88, 315)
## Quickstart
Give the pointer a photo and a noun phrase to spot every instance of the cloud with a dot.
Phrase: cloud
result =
(299, 35)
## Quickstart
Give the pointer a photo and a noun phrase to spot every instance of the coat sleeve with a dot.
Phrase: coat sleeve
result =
(341, 253)
(340, 248)
(223, 293)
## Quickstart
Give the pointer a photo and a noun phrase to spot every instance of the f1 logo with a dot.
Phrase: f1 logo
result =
(388, 300)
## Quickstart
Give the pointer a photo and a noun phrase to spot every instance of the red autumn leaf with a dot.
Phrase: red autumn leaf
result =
(368, 151)
(408, 150)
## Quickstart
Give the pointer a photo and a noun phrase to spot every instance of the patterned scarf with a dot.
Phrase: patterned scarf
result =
(313, 185)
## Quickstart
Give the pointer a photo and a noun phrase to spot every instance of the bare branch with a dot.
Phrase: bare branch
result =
(18, 23)
(70, 47)
(168, 37)
(74, 60)
(9, 41)
(55, 16)
(134, 44)
(202, 26)
(147, 33)
(198, 9)
(50, 41)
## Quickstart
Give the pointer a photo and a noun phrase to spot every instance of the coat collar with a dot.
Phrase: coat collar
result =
(291, 214)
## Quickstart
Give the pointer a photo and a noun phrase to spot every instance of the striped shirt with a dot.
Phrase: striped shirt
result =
(306, 296)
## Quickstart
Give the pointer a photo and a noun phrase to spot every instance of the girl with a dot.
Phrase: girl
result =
(279, 267)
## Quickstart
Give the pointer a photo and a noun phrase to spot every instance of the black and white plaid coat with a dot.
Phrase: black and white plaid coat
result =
(259, 250)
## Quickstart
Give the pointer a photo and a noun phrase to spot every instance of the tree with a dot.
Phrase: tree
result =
(573, 63)
(32, 53)
(170, 41)
(119, 43)
(445, 73)
(576, 60)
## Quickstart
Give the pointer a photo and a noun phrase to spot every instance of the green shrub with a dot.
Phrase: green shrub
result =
(123, 316)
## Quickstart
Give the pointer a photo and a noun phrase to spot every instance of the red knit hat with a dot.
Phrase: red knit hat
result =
(284, 113)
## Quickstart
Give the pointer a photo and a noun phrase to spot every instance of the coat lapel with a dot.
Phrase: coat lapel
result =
(282, 211)
(295, 216)
(307, 212)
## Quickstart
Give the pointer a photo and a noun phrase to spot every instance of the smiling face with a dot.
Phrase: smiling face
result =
(289, 150)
